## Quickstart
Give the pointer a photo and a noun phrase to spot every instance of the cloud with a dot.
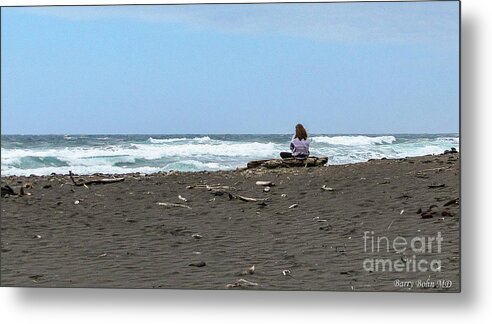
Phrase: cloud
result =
(425, 22)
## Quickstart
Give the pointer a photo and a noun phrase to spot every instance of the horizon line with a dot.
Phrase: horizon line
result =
(220, 134)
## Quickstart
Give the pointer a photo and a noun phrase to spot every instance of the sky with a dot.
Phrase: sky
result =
(338, 68)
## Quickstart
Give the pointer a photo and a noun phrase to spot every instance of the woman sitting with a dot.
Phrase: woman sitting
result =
(299, 145)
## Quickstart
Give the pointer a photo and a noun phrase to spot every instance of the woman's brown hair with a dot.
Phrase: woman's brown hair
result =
(301, 133)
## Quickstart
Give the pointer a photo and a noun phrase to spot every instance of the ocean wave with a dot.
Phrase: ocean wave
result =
(130, 158)
(354, 140)
(194, 165)
(136, 154)
(7, 171)
(453, 140)
(230, 149)
(342, 155)
(178, 139)
(145, 151)
(186, 165)
(32, 162)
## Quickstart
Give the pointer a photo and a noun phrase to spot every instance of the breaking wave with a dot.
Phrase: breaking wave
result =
(43, 155)
(354, 140)
(178, 139)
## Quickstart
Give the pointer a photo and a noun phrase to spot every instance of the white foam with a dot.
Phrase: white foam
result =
(354, 140)
(453, 140)
(79, 169)
(185, 165)
(191, 156)
(208, 149)
(196, 165)
(203, 153)
(178, 139)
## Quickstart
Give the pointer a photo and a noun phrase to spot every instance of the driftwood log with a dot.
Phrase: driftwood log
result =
(91, 182)
(247, 199)
(312, 161)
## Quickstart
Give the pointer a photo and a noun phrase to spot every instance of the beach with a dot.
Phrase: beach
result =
(310, 230)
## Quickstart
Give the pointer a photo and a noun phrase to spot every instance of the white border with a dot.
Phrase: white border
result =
(135, 306)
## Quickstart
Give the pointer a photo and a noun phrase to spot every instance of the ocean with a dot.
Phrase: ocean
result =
(86, 154)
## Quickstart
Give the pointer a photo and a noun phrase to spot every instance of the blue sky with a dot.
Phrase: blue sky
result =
(335, 67)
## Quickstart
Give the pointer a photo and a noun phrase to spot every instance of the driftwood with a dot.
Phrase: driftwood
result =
(247, 199)
(91, 182)
(210, 187)
(173, 205)
(325, 188)
(437, 186)
(311, 161)
(265, 183)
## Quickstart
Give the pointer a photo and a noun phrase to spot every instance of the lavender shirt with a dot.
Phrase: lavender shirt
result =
(300, 147)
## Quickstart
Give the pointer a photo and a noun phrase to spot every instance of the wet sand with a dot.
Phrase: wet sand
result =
(117, 235)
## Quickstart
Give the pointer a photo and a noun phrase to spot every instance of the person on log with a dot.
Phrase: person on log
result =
(299, 145)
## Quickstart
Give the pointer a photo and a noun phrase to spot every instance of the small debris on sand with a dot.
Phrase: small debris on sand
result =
(455, 201)
(265, 183)
(434, 211)
(173, 205)
(442, 185)
(35, 277)
(242, 283)
(251, 270)
(325, 188)
(197, 264)
(247, 199)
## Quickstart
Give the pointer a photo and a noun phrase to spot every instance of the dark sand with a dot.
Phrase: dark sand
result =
(118, 236)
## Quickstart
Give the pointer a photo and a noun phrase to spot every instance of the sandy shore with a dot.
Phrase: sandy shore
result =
(117, 235)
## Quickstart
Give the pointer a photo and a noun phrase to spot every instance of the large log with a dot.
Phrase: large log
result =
(311, 161)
